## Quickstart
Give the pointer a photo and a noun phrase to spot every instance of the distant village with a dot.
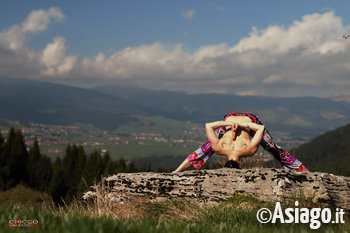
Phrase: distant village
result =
(54, 138)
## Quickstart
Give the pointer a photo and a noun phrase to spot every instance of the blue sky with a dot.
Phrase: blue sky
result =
(195, 46)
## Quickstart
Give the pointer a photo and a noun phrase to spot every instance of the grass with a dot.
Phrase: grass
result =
(24, 196)
(237, 214)
(166, 217)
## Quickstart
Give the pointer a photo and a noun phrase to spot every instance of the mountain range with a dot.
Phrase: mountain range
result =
(305, 116)
(108, 107)
(40, 102)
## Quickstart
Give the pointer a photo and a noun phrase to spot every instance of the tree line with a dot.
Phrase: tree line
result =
(65, 178)
(329, 152)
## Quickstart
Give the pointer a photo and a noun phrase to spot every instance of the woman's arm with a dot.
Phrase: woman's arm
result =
(259, 133)
(210, 130)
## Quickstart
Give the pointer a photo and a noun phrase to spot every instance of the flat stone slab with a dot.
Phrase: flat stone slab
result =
(210, 186)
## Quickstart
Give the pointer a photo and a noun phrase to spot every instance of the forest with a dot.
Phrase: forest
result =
(65, 178)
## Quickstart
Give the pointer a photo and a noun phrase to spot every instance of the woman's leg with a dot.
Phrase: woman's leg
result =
(184, 165)
(288, 161)
(203, 153)
(198, 157)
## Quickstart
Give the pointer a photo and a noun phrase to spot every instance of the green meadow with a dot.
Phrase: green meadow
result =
(237, 214)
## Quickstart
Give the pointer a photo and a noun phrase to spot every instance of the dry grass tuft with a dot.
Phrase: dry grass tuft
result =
(25, 197)
(136, 208)
(183, 209)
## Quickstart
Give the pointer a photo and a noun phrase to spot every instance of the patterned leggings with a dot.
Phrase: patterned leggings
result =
(288, 161)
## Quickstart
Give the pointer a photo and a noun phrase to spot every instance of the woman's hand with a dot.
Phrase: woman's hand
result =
(234, 127)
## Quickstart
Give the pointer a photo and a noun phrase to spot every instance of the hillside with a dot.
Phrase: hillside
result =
(295, 120)
(329, 152)
(302, 116)
(40, 102)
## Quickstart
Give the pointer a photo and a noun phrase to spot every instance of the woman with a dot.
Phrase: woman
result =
(231, 138)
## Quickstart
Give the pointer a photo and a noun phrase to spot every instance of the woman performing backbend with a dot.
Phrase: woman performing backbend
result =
(239, 135)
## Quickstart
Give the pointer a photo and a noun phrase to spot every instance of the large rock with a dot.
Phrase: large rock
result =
(216, 185)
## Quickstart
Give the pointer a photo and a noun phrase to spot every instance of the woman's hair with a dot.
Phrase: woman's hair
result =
(232, 164)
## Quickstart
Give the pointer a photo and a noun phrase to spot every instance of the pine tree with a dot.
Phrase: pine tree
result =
(2, 162)
(121, 165)
(109, 166)
(146, 168)
(58, 187)
(131, 167)
(15, 158)
(94, 168)
(74, 164)
(2, 140)
(32, 166)
(68, 164)
(44, 173)
(39, 168)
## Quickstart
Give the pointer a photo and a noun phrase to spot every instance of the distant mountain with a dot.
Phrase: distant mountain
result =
(329, 152)
(108, 107)
(40, 102)
(304, 116)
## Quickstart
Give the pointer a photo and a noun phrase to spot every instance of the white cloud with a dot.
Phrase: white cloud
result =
(219, 7)
(12, 38)
(316, 33)
(39, 20)
(188, 15)
(308, 52)
(308, 57)
(55, 59)
(20, 60)
(144, 62)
